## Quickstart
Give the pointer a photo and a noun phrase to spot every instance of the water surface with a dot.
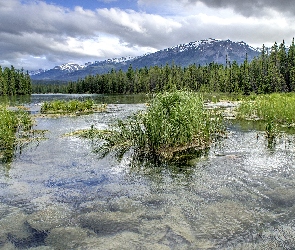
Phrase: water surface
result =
(57, 194)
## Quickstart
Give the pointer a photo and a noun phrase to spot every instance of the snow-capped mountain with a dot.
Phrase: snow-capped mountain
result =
(199, 52)
(69, 67)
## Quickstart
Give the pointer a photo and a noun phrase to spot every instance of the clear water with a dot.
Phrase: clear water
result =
(57, 194)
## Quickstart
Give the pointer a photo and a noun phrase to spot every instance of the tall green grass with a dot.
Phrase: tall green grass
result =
(71, 107)
(276, 111)
(276, 108)
(15, 126)
(173, 123)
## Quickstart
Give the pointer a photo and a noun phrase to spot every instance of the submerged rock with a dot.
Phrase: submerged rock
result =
(41, 248)
(51, 217)
(14, 225)
(153, 231)
(179, 230)
(67, 237)
(222, 220)
(94, 206)
(172, 230)
(125, 204)
(109, 222)
(122, 241)
(8, 246)
(282, 196)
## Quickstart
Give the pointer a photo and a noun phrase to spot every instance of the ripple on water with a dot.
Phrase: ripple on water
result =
(59, 195)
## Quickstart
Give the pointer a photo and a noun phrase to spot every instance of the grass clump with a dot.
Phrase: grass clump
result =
(15, 130)
(74, 107)
(278, 108)
(276, 111)
(173, 124)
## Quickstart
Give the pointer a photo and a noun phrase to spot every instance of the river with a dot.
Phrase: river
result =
(58, 194)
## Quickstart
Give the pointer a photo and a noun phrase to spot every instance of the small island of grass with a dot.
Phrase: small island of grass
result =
(71, 107)
(174, 126)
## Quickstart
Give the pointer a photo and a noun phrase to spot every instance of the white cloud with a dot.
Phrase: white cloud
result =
(34, 33)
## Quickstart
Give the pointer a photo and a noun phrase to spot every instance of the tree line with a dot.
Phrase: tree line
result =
(272, 71)
(14, 82)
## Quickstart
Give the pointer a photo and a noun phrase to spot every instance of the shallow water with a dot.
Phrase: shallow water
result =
(57, 194)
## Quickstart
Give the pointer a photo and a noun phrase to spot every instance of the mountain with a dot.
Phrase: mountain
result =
(199, 52)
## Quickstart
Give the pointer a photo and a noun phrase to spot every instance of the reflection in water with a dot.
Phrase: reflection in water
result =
(59, 195)
(15, 100)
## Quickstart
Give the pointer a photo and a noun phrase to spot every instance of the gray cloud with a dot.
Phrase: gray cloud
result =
(34, 34)
(251, 7)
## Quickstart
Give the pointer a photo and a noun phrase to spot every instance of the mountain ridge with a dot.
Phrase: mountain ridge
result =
(200, 52)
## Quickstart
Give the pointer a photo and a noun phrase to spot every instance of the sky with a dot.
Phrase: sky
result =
(41, 34)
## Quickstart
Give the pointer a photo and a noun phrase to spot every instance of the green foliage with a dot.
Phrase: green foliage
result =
(71, 107)
(14, 82)
(274, 110)
(15, 129)
(275, 107)
(173, 123)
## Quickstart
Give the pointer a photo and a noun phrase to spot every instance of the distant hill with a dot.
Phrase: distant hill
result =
(200, 53)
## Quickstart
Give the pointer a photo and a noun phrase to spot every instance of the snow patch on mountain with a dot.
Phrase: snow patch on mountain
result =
(69, 67)
(199, 52)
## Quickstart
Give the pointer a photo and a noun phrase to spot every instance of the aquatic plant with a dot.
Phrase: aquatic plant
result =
(15, 129)
(175, 125)
(275, 111)
(278, 108)
(71, 107)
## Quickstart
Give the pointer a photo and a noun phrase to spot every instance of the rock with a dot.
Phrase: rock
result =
(153, 214)
(5, 210)
(153, 231)
(178, 225)
(94, 206)
(51, 217)
(125, 204)
(282, 196)
(109, 222)
(173, 230)
(224, 219)
(122, 241)
(15, 225)
(155, 246)
(41, 248)
(118, 190)
(67, 237)
(8, 246)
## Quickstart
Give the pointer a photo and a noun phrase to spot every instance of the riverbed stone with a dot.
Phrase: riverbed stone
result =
(178, 225)
(42, 248)
(118, 190)
(125, 204)
(15, 225)
(67, 237)
(50, 217)
(123, 241)
(154, 246)
(282, 196)
(109, 222)
(224, 219)
(4, 210)
(151, 214)
(153, 231)
(94, 206)
(171, 230)
(8, 246)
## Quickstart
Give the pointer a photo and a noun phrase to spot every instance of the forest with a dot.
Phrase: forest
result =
(14, 82)
(272, 71)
